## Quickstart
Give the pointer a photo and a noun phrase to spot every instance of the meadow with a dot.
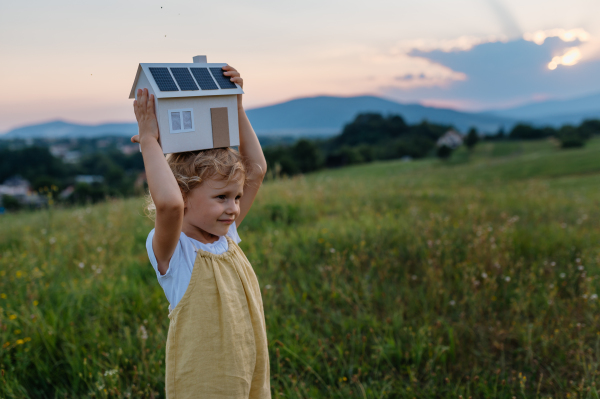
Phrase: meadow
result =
(477, 277)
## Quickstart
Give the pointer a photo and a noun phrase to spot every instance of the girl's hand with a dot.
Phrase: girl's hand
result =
(235, 77)
(146, 118)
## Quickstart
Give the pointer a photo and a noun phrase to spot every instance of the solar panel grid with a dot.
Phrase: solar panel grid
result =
(184, 79)
(222, 80)
(204, 79)
(163, 79)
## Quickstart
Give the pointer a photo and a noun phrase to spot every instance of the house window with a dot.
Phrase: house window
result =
(181, 120)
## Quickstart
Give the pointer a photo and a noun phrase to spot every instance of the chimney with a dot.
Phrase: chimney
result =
(200, 59)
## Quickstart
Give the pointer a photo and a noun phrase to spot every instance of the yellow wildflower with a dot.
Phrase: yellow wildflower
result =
(27, 339)
(19, 274)
(35, 303)
(12, 316)
(3, 296)
(20, 342)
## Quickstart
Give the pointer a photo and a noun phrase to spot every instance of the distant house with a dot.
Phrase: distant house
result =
(16, 186)
(20, 189)
(89, 179)
(451, 139)
(196, 104)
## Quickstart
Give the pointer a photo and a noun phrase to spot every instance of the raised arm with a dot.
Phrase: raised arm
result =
(249, 149)
(161, 182)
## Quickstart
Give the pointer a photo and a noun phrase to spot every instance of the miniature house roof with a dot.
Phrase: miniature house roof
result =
(196, 79)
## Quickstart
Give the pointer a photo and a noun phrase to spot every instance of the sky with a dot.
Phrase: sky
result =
(76, 61)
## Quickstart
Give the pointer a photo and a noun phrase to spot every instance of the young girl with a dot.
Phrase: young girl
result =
(217, 343)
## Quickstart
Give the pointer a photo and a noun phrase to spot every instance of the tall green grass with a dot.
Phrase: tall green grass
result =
(476, 278)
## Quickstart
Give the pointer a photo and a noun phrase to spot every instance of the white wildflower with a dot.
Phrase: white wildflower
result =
(52, 240)
(507, 278)
(332, 250)
(484, 275)
(580, 267)
(143, 333)
(268, 286)
(562, 275)
(593, 297)
(452, 303)
(81, 265)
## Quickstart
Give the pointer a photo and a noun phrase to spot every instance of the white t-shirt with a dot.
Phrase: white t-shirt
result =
(177, 278)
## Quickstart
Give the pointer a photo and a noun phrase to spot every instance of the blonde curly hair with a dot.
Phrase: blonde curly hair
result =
(193, 167)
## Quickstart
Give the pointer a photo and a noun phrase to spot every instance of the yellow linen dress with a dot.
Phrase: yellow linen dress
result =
(217, 340)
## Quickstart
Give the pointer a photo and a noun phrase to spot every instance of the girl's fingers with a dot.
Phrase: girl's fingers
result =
(239, 81)
(150, 106)
(135, 139)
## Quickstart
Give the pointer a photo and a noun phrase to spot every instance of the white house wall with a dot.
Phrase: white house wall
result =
(202, 137)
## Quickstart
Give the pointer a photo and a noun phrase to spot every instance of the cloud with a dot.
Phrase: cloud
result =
(496, 71)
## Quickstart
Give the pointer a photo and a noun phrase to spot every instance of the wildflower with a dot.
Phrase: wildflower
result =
(6, 345)
(332, 250)
(3, 296)
(52, 240)
(562, 275)
(143, 333)
(551, 286)
(580, 267)
(99, 270)
(81, 265)
(414, 277)
(99, 249)
(484, 275)
(584, 296)
(507, 278)
(452, 303)
(12, 316)
(552, 263)
(578, 260)
(19, 274)
(268, 286)
(27, 339)
(17, 332)
(593, 297)
(20, 342)
(110, 372)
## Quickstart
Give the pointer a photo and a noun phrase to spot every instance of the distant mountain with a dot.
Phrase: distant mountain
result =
(327, 115)
(61, 129)
(554, 111)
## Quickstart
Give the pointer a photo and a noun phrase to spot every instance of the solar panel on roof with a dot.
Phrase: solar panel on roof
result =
(184, 79)
(163, 79)
(222, 80)
(204, 79)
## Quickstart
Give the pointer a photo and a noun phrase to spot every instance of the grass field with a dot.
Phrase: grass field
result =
(473, 278)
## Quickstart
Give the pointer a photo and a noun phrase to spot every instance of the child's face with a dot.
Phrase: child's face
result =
(213, 206)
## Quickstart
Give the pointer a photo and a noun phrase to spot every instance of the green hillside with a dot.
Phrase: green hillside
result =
(477, 277)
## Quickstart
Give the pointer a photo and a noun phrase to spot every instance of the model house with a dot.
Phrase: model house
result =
(195, 104)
